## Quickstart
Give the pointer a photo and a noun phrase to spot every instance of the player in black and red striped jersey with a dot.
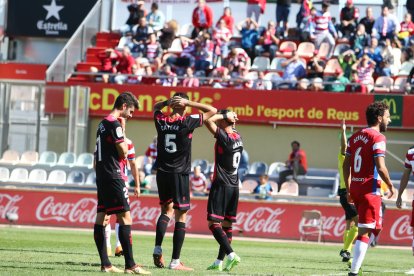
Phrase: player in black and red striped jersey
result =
(175, 132)
(110, 153)
(224, 193)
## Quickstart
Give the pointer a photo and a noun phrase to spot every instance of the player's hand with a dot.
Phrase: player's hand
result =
(137, 191)
(343, 125)
(232, 117)
(122, 121)
(178, 102)
(399, 202)
(390, 192)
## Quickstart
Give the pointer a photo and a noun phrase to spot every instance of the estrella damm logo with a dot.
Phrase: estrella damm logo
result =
(395, 103)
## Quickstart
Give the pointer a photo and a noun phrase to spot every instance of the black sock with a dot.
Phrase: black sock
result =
(229, 233)
(162, 225)
(178, 239)
(126, 241)
(221, 238)
(99, 237)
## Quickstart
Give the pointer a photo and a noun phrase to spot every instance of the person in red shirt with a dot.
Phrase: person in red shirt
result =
(296, 164)
(202, 18)
(228, 19)
(407, 30)
(255, 8)
(124, 66)
(364, 169)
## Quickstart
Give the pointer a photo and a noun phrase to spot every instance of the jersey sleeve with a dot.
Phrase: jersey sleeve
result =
(117, 133)
(194, 121)
(378, 147)
(131, 151)
(221, 136)
(409, 159)
(348, 148)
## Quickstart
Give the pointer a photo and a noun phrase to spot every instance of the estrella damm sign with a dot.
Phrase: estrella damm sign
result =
(395, 102)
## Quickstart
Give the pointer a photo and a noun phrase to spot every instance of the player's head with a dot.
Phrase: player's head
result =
(126, 103)
(179, 108)
(378, 113)
(295, 145)
(224, 123)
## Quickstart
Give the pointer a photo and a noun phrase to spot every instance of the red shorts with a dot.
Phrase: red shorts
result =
(369, 210)
(412, 214)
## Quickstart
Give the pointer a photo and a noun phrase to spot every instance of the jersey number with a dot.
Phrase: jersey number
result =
(236, 161)
(357, 160)
(98, 148)
(170, 145)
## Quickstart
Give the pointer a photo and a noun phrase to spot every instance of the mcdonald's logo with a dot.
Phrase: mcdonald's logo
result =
(395, 104)
(391, 104)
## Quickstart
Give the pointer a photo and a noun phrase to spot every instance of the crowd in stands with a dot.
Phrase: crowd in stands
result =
(349, 53)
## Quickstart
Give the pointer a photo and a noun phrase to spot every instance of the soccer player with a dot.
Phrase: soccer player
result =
(351, 215)
(409, 168)
(224, 194)
(364, 168)
(174, 165)
(111, 150)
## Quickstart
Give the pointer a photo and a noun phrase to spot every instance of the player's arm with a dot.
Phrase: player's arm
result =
(343, 137)
(135, 175)
(346, 168)
(121, 146)
(383, 172)
(211, 122)
(403, 184)
(160, 105)
(208, 110)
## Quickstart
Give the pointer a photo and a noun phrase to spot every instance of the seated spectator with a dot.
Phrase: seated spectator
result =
(219, 77)
(407, 30)
(202, 18)
(294, 69)
(374, 51)
(151, 157)
(385, 26)
(141, 36)
(315, 67)
(360, 40)
(236, 59)
(346, 60)
(186, 57)
(407, 62)
(153, 51)
(203, 53)
(168, 34)
(303, 84)
(126, 40)
(316, 85)
(296, 163)
(396, 54)
(268, 41)
(260, 83)
(349, 17)
(263, 189)
(338, 82)
(244, 80)
(368, 21)
(167, 77)
(198, 182)
(155, 18)
(190, 80)
(145, 185)
(365, 67)
(136, 12)
(228, 19)
(248, 29)
(322, 29)
(221, 38)
(124, 66)
(108, 59)
(135, 77)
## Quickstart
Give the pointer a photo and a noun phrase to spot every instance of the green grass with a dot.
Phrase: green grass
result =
(38, 251)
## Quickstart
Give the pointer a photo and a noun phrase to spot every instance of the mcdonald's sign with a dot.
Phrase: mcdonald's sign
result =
(395, 102)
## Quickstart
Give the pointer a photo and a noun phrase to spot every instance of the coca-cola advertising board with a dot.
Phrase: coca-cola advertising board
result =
(265, 219)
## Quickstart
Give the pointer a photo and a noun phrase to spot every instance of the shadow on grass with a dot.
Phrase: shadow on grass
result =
(45, 251)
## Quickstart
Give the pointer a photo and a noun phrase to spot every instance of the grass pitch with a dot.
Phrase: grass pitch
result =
(37, 251)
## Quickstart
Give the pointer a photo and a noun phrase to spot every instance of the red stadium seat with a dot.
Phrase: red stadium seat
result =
(286, 49)
(306, 50)
(331, 68)
(108, 36)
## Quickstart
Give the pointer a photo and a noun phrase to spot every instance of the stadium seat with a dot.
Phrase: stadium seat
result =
(311, 225)
(37, 176)
(4, 174)
(275, 168)
(48, 158)
(383, 84)
(341, 48)
(248, 186)
(399, 85)
(202, 163)
(85, 160)
(29, 158)
(276, 64)
(286, 49)
(323, 50)
(306, 50)
(275, 187)
(57, 177)
(91, 179)
(261, 63)
(67, 159)
(332, 66)
(152, 180)
(252, 75)
(19, 175)
(289, 188)
(317, 191)
(258, 168)
(76, 178)
(10, 157)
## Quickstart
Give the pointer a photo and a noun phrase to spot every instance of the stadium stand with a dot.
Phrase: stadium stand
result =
(19, 175)
(152, 180)
(67, 159)
(76, 178)
(4, 174)
(85, 160)
(29, 158)
(37, 176)
(290, 188)
(203, 164)
(57, 177)
(48, 158)
(256, 169)
(248, 186)
(91, 179)
(10, 157)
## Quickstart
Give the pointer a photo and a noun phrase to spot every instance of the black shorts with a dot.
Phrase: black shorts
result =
(174, 187)
(112, 196)
(222, 203)
(350, 209)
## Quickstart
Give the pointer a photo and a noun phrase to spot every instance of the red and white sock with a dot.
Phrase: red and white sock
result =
(360, 249)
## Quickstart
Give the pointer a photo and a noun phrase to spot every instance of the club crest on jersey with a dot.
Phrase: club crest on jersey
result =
(119, 132)
(101, 128)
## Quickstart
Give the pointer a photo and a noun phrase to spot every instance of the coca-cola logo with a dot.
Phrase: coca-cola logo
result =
(331, 226)
(401, 229)
(8, 204)
(262, 219)
(83, 211)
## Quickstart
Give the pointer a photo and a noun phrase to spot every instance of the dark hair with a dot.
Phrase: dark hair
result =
(223, 111)
(154, 6)
(181, 95)
(374, 110)
(325, 4)
(295, 142)
(126, 98)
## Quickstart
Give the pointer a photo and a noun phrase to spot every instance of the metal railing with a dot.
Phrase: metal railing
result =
(74, 50)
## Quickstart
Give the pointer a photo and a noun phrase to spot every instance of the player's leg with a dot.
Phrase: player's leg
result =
(118, 246)
(228, 229)
(351, 231)
(411, 271)
(108, 238)
(360, 249)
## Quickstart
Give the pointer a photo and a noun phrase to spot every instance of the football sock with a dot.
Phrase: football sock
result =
(178, 239)
(126, 242)
(108, 235)
(360, 249)
(231, 256)
(229, 233)
(118, 243)
(346, 232)
(221, 238)
(162, 225)
(218, 262)
(175, 262)
(353, 233)
(99, 237)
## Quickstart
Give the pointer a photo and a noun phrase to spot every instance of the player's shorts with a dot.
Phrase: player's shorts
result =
(350, 210)
(369, 209)
(222, 203)
(282, 13)
(412, 214)
(174, 187)
(113, 196)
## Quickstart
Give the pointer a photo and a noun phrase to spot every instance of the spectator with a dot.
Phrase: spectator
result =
(338, 82)
(303, 84)
(243, 165)
(296, 164)
(368, 21)
(126, 40)
(268, 41)
(203, 52)
(410, 7)
(202, 18)
(263, 189)
(167, 77)
(219, 77)
(135, 77)
(349, 16)
(135, 14)
(315, 67)
(186, 58)
(385, 26)
(282, 15)
(294, 69)
(316, 85)
(396, 54)
(260, 83)
(141, 35)
(407, 30)
(236, 59)
(221, 38)
(190, 80)
(198, 182)
(151, 157)
(360, 40)
(255, 7)
(124, 66)
(244, 79)
(155, 18)
(324, 29)
(228, 18)
(409, 87)
(249, 32)
(168, 34)
(303, 15)
(153, 51)
(108, 59)
(365, 67)
(407, 62)
(374, 51)
(145, 185)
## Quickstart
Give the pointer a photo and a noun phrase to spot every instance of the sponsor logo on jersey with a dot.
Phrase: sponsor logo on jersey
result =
(119, 132)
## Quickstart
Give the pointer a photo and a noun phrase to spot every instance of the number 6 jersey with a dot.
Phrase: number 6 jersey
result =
(363, 146)
(174, 141)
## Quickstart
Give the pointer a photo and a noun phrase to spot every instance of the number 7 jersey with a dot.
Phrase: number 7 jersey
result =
(174, 141)
(363, 147)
